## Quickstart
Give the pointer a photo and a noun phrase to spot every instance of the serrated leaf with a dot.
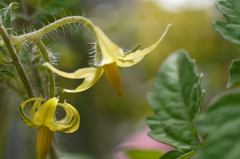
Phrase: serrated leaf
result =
(53, 6)
(234, 72)
(178, 154)
(143, 154)
(222, 123)
(176, 100)
(8, 73)
(5, 14)
(229, 29)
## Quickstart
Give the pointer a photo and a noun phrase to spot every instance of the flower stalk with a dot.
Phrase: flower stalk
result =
(58, 23)
(46, 58)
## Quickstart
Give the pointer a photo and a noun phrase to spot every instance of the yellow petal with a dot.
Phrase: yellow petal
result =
(72, 125)
(140, 53)
(68, 124)
(128, 63)
(34, 108)
(109, 50)
(90, 75)
(112, 73)
(44, 142)
(69, 114)
(29, 118)
(89, 80)
(46, 113)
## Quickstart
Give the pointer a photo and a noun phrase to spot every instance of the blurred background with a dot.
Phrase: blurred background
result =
(106, 119)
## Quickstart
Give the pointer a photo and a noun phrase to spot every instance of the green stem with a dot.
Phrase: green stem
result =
(16, 62)
(41, 32)
(46, 58)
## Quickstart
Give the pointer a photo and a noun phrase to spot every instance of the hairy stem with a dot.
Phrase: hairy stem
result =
(16, 62)
(46, 58)
(58, 23)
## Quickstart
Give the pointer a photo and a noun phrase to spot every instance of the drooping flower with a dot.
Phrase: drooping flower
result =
(108, 57)
(43, 116)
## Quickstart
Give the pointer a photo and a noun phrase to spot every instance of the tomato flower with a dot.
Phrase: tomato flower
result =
(43, 116)
(108, 58)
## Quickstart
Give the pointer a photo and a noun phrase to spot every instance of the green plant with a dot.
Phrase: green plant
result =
(177, 100)
(23, 57)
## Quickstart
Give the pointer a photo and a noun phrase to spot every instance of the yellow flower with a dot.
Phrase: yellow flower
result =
(43, 116)
(108, 57)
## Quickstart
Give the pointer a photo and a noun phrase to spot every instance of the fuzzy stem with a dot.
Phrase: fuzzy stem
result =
(46, 58)
(16, 62)
(41, 32)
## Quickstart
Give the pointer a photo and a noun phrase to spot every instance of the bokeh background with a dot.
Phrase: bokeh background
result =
(106, 119)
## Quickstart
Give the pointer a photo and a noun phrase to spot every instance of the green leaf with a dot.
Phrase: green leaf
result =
(178, 154)
(53, 6)
(5, 14)
(234, 72)
(8, 73)
(176, 100)
(222, 123)
(229, 29)
(143, 154)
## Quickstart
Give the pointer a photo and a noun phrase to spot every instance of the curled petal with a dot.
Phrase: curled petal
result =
(68, 124)
(89, 80)
(71, 125)
(141, 53)
(90, 75)
(69, 114)
(34, 108)
(29, 118)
